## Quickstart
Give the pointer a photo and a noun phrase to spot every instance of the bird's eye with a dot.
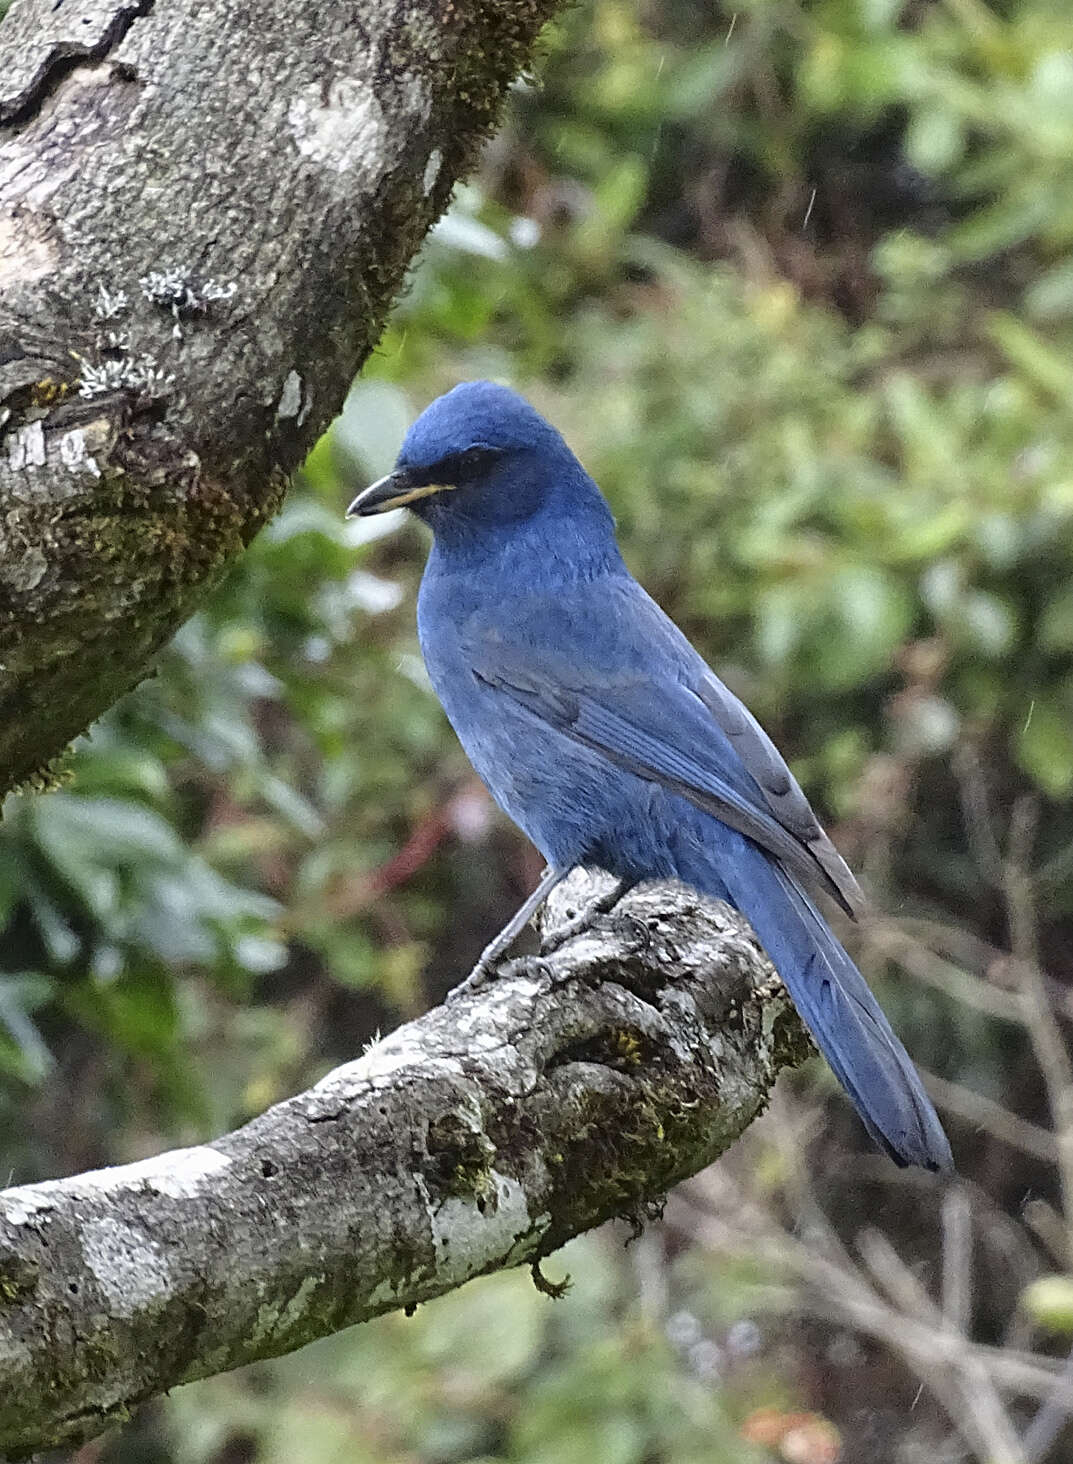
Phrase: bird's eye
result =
(460, 467)
(476, 457)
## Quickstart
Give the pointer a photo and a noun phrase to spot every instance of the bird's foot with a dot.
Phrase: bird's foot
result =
(583, 922)
(487, 968)
(482, 976)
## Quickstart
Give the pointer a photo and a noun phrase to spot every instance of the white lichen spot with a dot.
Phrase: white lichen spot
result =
(468, 1239)
(478, 1037)
(290, 398)
(26, 448)
(139, 374)
(110, 303)
(184, 293)
(25, 571)
(180, 1175)
(181, 290)
(674, 999)
(212, 292)
(27, 249)
(274, 1320)
(13, 1354)
(73, 453)
(502, 993)
(24, 1204)
(432, 170)
(131, 1269)
(348, 132)
(380, 1065)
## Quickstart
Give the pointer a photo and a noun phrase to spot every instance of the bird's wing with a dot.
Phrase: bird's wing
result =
(780, 788)
(658, 711)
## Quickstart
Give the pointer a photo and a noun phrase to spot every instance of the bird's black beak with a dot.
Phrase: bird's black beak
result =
(394, 491)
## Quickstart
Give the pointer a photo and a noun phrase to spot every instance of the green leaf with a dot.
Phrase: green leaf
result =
(935, 139)
(1045, 747)
(1049, 1302)
(104, 830)
(1055, 631)
(492, 1331)
(1050, 369)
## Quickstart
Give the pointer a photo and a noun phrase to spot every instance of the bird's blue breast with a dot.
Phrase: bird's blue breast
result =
(571, 802)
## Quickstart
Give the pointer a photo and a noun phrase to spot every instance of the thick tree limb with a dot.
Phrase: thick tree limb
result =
(205, 211)
(580, 1086)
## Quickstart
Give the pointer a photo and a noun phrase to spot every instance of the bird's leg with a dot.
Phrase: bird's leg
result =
(602, 905)
(484, 970)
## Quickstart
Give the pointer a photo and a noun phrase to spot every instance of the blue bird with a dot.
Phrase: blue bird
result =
(602, 733)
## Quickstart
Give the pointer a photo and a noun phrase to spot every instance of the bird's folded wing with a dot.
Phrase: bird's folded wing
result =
(666, 731)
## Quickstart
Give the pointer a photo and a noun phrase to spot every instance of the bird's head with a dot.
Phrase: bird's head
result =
(481, 458)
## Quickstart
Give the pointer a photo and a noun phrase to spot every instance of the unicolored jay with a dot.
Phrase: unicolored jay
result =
(602, 733)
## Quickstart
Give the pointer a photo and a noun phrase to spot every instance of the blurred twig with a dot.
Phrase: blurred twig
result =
(896, 942)
(875, 1292)
(957, 1259)
(1047, 1040)
(995, 1118)
(1042, 1433)
(971, 779)
(969, 1379)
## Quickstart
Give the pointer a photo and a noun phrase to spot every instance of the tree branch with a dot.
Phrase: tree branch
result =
(581, 1085)
(205, 212)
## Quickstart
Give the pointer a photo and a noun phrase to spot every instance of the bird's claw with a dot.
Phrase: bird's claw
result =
(583, 922)
(559, 937)
(487, 968)
(481, 977)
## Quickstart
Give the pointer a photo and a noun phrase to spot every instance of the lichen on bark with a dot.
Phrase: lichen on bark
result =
(205, 213)
(579, 1086)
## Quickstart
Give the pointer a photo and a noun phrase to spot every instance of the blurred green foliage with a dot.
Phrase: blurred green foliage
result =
(796, 281)
(494, 1374)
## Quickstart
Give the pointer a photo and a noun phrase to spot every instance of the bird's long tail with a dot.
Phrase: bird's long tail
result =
(837, 1005)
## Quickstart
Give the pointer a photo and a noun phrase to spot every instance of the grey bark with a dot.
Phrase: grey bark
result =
(205, 211)
(580, 1086)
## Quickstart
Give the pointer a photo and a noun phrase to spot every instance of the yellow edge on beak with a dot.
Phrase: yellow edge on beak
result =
(379, 498)
(411, 494)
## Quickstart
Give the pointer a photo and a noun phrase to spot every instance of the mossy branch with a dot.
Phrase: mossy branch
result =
(580, 1086)
(205, 213)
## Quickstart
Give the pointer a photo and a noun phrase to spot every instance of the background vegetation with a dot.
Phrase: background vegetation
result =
(796, 280)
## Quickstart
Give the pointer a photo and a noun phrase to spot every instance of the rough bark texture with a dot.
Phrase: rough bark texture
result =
(580, 1086)
(205, 211)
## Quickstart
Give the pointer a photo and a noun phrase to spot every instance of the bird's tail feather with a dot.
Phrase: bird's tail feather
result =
(837, 1005)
